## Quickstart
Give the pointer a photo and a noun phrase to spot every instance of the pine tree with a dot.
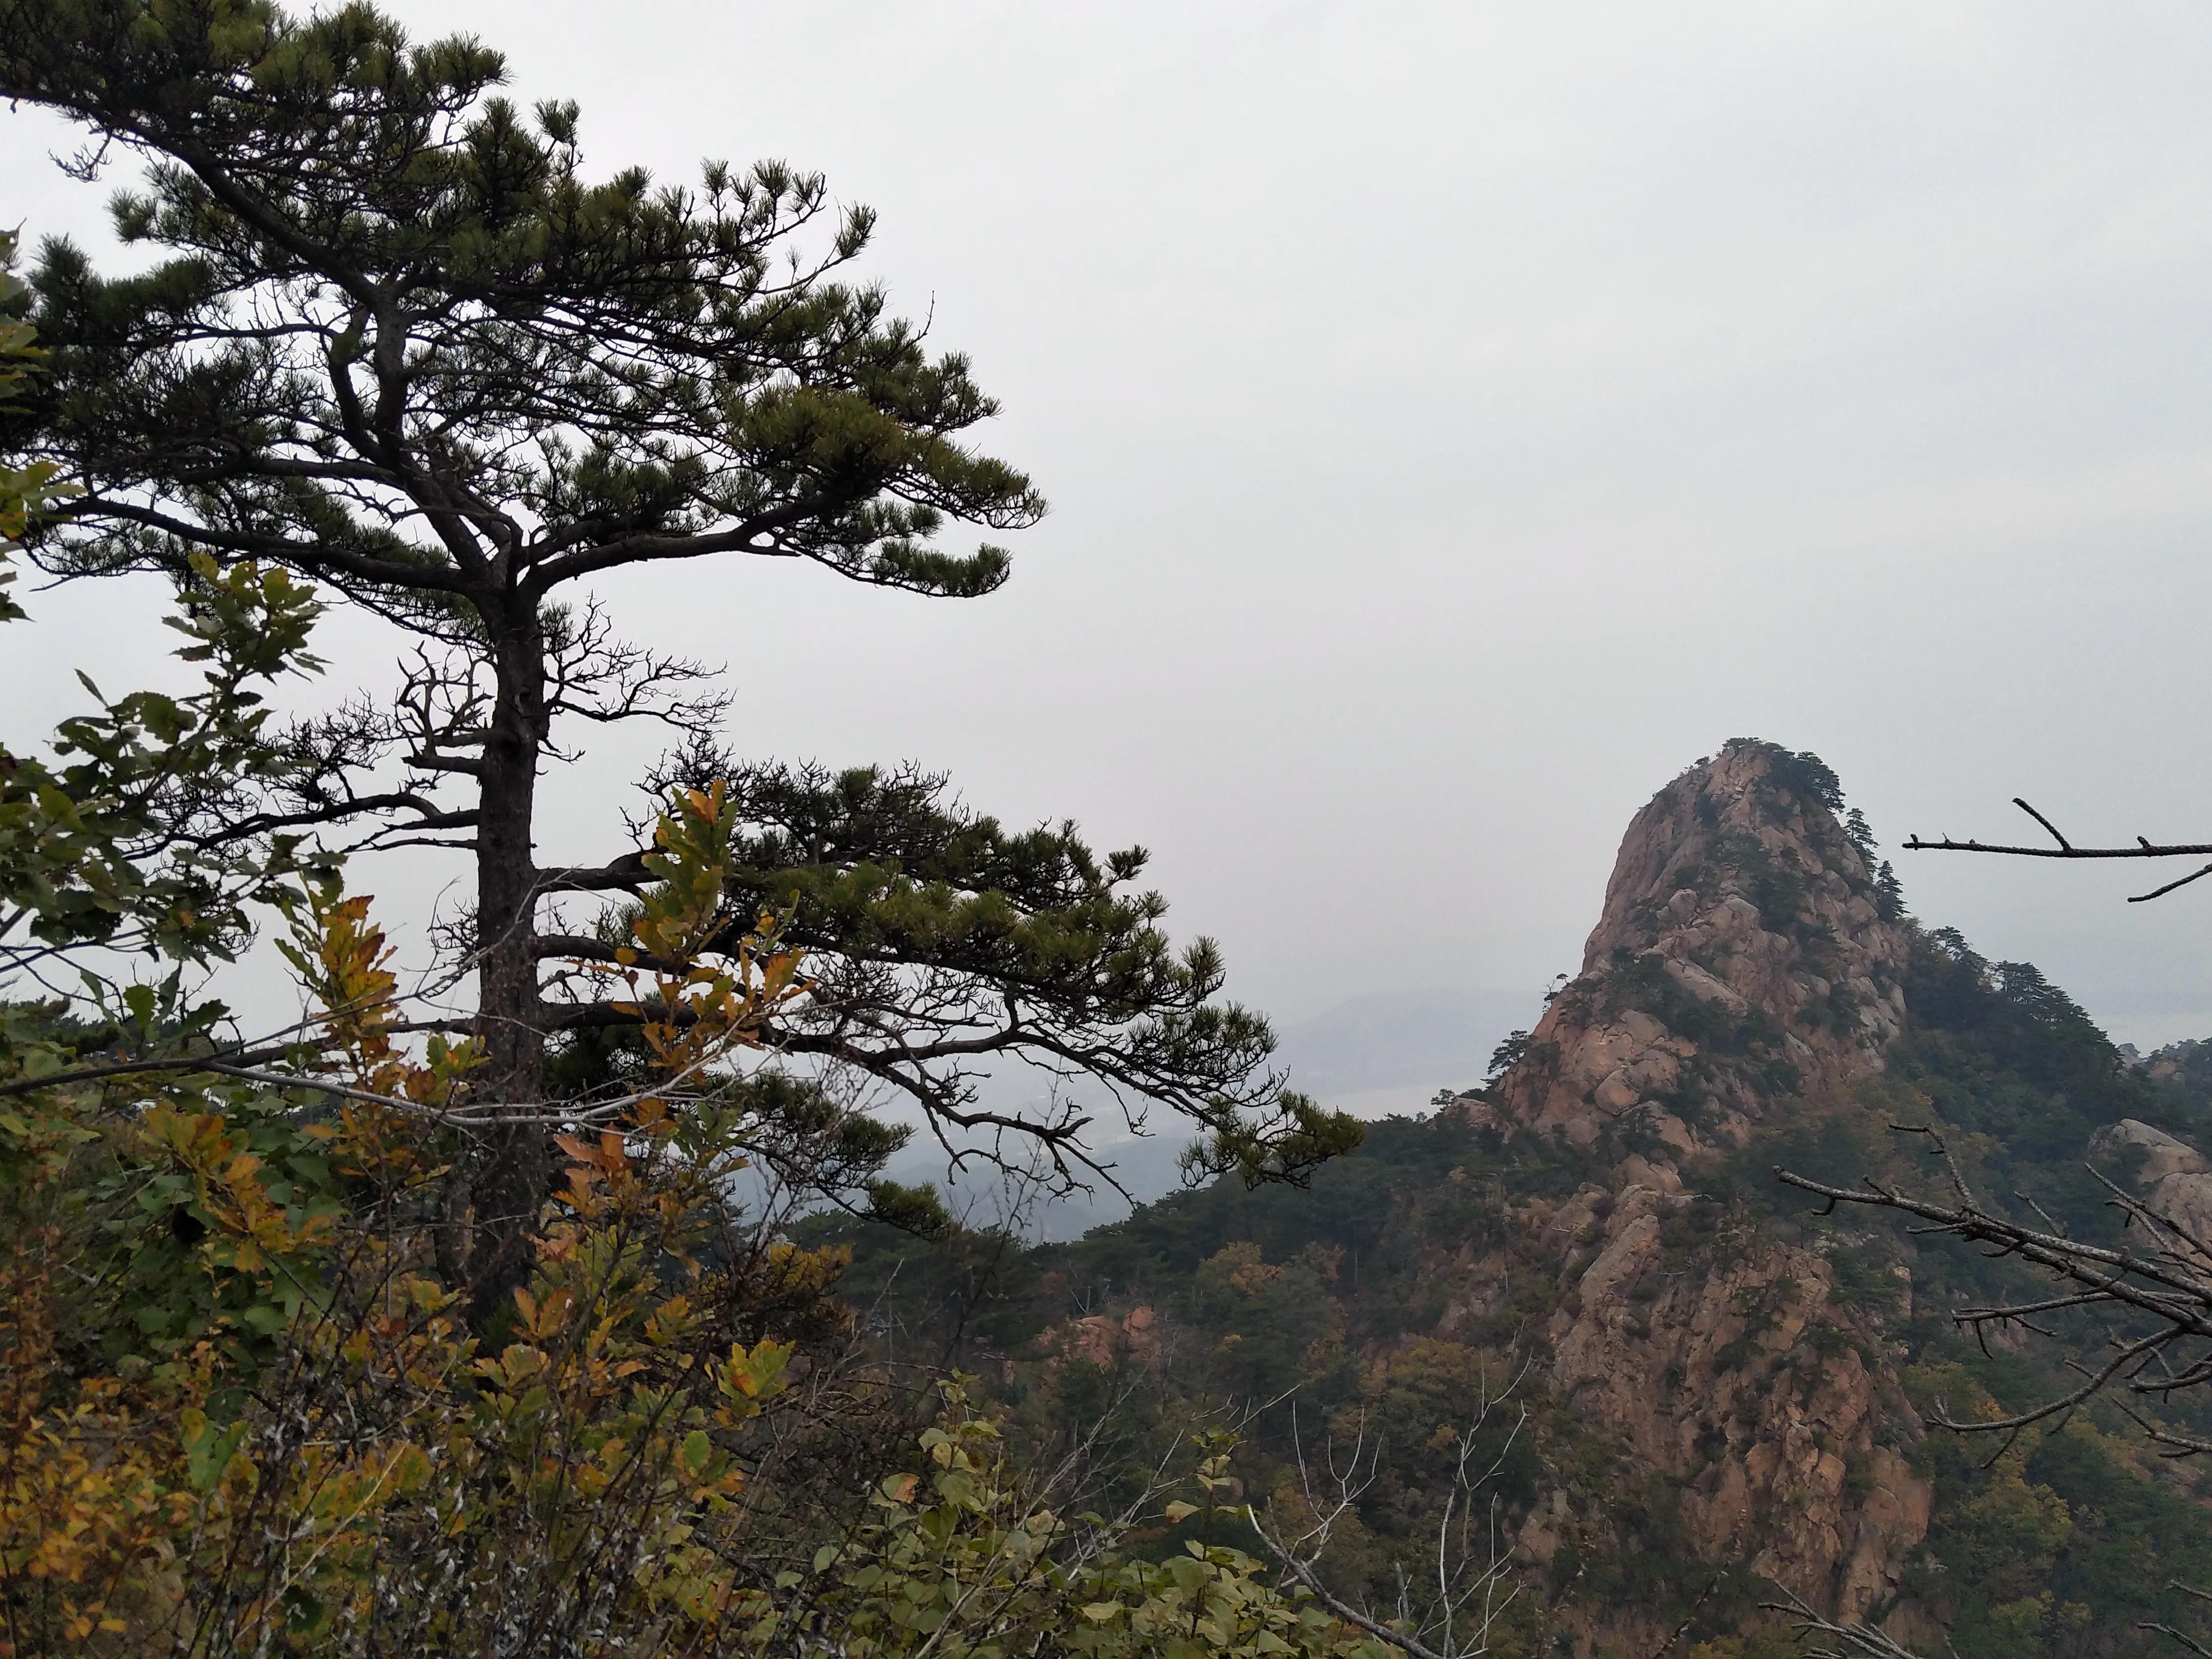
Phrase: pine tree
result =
(398, 342)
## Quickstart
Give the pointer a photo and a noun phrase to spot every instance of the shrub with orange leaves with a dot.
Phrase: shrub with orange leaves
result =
(285, 1440)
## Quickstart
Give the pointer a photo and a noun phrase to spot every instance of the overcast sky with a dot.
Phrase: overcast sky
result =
(1457, 419)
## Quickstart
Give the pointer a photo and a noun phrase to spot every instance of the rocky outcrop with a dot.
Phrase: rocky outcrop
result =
(1736, 1375)
(1103, 1339)
(1741, 957)
(1742, 970)
(2174, 1178)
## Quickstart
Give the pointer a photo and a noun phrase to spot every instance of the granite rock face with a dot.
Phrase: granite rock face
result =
(2174, 1180)
(1742, 970)
(1741, 956)
(1741, 1377)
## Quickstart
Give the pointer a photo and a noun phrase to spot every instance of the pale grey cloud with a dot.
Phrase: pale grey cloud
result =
(1459, 417)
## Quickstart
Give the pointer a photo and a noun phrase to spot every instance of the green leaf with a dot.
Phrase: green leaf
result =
(208, 1449)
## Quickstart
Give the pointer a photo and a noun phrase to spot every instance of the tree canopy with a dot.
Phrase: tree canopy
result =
(397, 339)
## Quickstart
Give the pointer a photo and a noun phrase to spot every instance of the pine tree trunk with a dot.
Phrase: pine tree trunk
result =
(512, 1165)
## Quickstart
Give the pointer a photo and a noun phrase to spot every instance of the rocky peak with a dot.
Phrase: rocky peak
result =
(1743, 957)
(1743, 963)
